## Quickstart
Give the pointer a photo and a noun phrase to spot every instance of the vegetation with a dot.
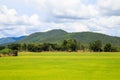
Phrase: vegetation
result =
(96, 46)
(69, 45)
(14, 46)
(9, 51)
(61, 66)
(6, 51)
(2, 47)
(108, 48)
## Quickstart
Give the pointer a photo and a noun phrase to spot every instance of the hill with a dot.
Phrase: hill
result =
(59, 35)
(40, 37)
(10, 40)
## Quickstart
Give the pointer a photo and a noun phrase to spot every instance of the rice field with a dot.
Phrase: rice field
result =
(61, 66)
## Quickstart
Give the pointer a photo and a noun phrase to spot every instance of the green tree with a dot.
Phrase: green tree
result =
(108, 47)
(34, 47)
(96, 46)
(46, 47)
(82, 47)
(69, 45)
(23, 47)
(64, 45)
(14, 46)
(2, 47)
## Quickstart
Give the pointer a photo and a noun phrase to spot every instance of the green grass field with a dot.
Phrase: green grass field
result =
(61, 66)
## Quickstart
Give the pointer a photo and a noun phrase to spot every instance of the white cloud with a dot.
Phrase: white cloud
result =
(70, 27)
(70, 15)
(74, 8)
(7, 15)
(78, 27)
(34, 20)
(109, 4)
(110, 22)
(11, 24)
(107, 25)
(109, 7)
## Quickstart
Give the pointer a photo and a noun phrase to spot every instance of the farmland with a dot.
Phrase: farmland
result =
(61, 66)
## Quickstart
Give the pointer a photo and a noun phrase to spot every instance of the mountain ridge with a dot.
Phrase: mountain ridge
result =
(58, 35)
(9, 40)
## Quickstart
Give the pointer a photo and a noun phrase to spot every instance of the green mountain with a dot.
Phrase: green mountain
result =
(40, 37)
(58, 35)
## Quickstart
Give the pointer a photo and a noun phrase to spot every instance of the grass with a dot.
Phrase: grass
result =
(61, 66)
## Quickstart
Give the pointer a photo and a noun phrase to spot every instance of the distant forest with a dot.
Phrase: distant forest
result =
(69, 45)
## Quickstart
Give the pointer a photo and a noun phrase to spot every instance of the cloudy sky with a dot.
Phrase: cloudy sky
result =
(23, 17)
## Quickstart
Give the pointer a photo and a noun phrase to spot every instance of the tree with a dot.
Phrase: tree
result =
(34, 48)
(82, 47)
(73, 44)
(114, 49)
(56, 47)
(14, 46)
(108, 47)
(46, 47)
(2, 47)
(96, 46)
(23, 47)
(64, 45)
(69, 45)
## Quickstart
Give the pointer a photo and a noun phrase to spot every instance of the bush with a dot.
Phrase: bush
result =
(6, 51)
(9, 52)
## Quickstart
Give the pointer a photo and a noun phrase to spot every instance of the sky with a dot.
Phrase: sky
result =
(23, 17)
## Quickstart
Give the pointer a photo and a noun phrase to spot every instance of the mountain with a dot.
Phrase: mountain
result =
(50, 36)
(59, 35)
(10, 40)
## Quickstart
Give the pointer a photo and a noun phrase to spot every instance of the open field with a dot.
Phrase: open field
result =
(61, 66)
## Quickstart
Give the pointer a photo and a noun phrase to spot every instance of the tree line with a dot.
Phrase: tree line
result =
(70, 45)
(97, 46)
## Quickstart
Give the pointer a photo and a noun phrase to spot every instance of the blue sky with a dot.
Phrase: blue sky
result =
(23, 17)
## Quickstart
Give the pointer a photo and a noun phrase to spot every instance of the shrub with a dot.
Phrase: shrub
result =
(6, 51)
(9, 52)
